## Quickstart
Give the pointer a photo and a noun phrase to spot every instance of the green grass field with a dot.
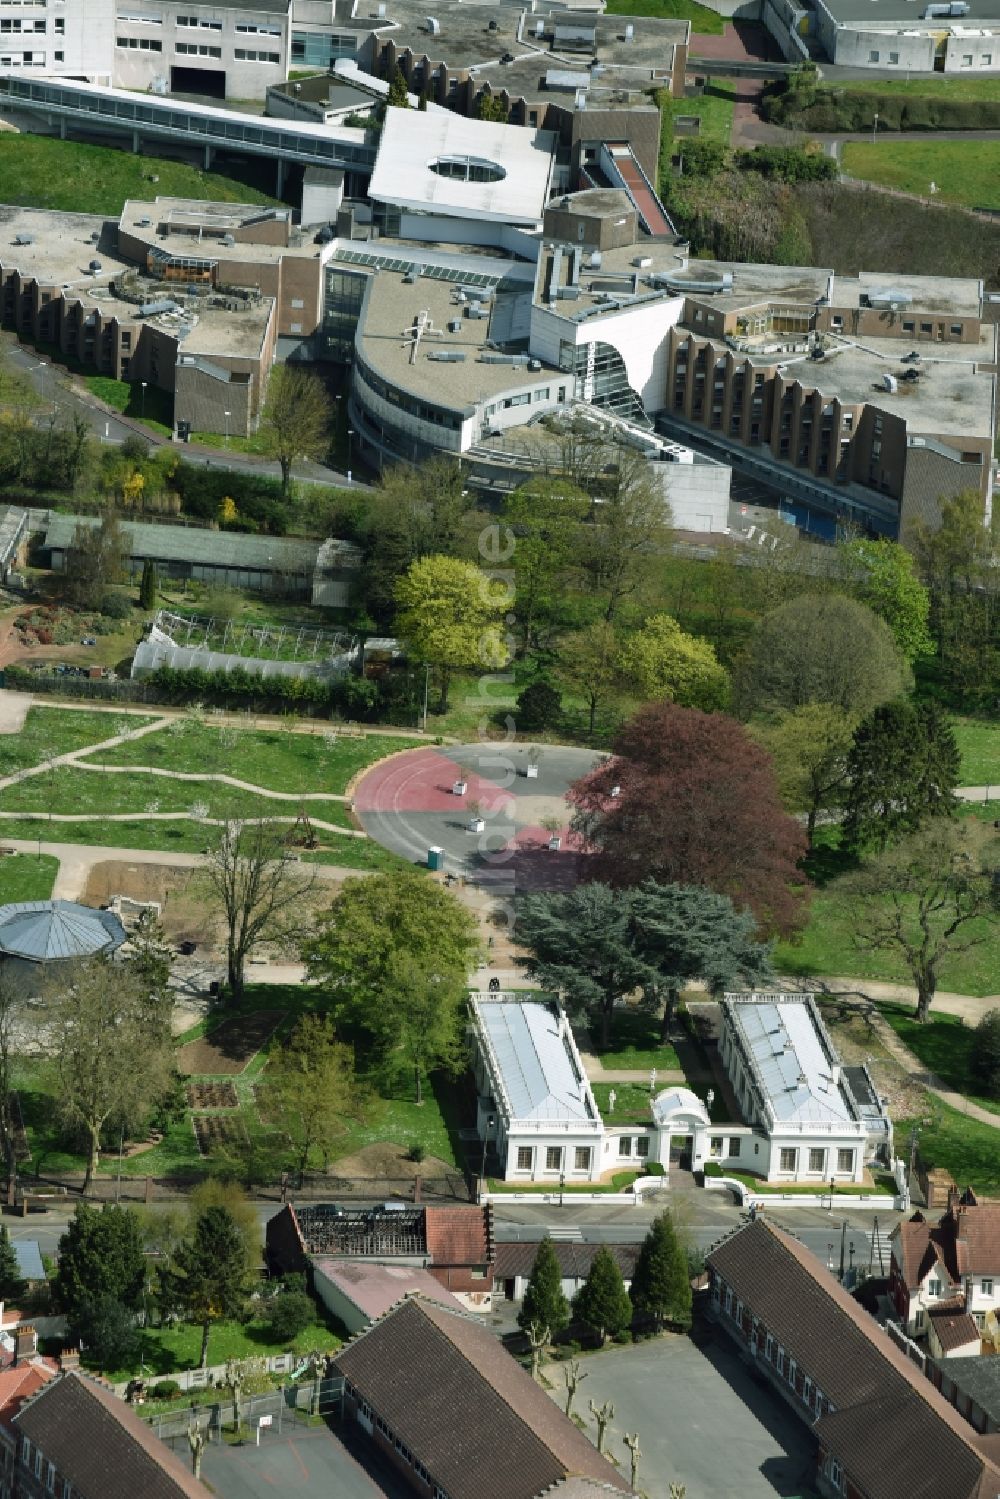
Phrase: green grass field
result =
(635, 1043)
(40, 172)
(154, 408)
(944, 1045)
(965, 1147)
(701, 18)
(986, 89)
(275, 759)
(714, 108)
(49, 732)
(65, 789)
(167, 1350)
(979, 744)
(632, 1103)
(965, 172)
(26, 876)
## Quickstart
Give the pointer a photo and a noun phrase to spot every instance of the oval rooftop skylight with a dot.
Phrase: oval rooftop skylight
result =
(467, 169)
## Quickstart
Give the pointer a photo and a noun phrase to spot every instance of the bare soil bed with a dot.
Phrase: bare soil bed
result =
(217, 1131)
(386, 1161)
(230, 1047)
(212, 1096)
(185, 914)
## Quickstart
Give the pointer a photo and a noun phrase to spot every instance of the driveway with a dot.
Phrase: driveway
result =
(701, 1418)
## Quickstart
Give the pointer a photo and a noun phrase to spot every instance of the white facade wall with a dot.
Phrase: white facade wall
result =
(552, 1152)
(76, 38)
(638, 333)
(973, 51)
(907, 50)
(246, 41)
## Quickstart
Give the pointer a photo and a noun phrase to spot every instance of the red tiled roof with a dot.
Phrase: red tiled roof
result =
(965, 1241)
(101, 1445)
(468, 1412)
(458, 1235)
(895, 1434)
(20, 1382)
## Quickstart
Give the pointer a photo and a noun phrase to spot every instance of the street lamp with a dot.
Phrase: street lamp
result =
(142, 408)
(490, 1122)
(875, 127)
(350, 434)
(427, 677)
(227, 415)
(562, 1186)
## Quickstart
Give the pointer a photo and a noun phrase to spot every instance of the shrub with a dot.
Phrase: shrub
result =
(986, 1054)
(539, 706)
(416, 1152)
(115, 606)
(288, 1315)
(167, 1389)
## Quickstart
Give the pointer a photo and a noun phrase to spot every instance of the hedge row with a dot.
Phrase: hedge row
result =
(828, 110)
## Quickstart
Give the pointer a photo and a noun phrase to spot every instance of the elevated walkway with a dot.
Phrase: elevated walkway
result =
(622, 170)
(148, 117)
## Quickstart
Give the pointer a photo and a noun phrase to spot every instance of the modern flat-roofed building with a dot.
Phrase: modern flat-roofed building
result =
(808, 1117)
(957, 37)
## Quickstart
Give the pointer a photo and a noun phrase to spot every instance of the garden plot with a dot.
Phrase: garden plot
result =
(212, 1096)
(230, 1047)
(215, 1132)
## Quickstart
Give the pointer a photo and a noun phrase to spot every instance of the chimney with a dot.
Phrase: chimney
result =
(69, 1359)
(25, 1341)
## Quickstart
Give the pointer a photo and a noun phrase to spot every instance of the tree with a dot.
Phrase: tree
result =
(309, 1088)
(111, 1049)
(12, 1282)
(902, 770)
(398, 96)
(210, 1272)
(107, 1333)
(697, 804)
(544, 1302)
(490, 107)
(986, 1054)
(581, 944)
(12, 1003)
(588, 663)
(412, 512)
(255, 877)
(96, 558)
(809, 746)
(629, 531)
(101, 1254)
(932, 895)
(288, 1314)
(821, 648)
(602, 1303)
(547, 518)
(684, 933)
(295, 422)
(661, 660)
(394, 953)
(660, 1285)
(450, 615)
(881, 574)
(539, 706)
(149, 586)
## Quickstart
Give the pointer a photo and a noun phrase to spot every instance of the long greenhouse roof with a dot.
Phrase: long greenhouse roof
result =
(194, 544)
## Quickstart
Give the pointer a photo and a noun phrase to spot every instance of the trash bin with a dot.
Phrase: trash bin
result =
(435, 858)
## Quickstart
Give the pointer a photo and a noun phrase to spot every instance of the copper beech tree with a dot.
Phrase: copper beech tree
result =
(688, 798)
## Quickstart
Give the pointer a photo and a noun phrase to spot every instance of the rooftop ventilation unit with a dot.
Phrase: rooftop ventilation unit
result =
(143, 223)
(94, 267)
(433, 25)
(630, 32)
(446, 356)
(24, 239)
(455, 326)
(229, 239)
(890, 384)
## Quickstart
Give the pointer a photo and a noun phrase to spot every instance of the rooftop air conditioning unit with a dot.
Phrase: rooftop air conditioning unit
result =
(889, 383)
(433, 25)
(455, 326)
(630, 32)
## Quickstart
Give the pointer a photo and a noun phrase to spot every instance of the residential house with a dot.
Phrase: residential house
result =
(77, 1440)
(956, 1259)
(882, 1430)
(808, 1117)
(515, 1260)
(454, 1242)
(951, 1332)
(438, 1395)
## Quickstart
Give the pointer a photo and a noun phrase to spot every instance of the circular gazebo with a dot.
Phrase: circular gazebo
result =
(56, 931)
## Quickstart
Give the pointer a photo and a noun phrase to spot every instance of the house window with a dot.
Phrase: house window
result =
(791, 1372)
(553, 1158)
(807, 1389)
(817, 1160)
(715, 1145)
(845, 1161)
(987, 1287)
(642, 1146)
(956, 329)
(38, 1463)
(893, 57)
(734, 1145)
(67, 1492)
(25, 1451)
(819, 1403)
(625, 1145)
(836, 1475)
(934, 1287)
(524, 1154)
(780, 1362)
(581, 1160)
(873, 57)
(788, 1158)
(50, 1479)
(769, 1347)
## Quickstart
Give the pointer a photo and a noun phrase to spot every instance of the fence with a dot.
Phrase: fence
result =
(294, 1405)
(454, 1187)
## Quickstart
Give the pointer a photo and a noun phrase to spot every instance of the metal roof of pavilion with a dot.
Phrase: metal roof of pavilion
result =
(197, 544)
(43, 930)
(538, 1065)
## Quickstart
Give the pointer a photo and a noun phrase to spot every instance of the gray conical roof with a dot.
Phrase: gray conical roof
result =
(43, 930)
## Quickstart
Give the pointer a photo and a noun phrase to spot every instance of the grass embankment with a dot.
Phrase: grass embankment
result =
(975, 90)
(40, 172)
(963, 172)
(708, 22)
(949, 1139)
(169, 1350)
(50, 732)
(153, 407)
(946, 1046)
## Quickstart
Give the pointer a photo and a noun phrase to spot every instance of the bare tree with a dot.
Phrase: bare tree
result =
(196, 1441)
(603, 1415)
(631, 1441)
(539, 1338)
(11, 1005)
(258, 882)
(573, 1378)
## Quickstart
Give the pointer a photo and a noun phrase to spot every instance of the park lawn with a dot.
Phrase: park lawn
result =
(67, 790)
(702, 19)
(26, 876)
(362, 854)
(398, 1120)
(965, 1147)
(42, 172)
(985, 89)
(944, 1045)
(635, 1043)
(964, 171)
(827, 948)
(49, 732)
(979, 745)
(183, 836)
(279, 760)
(168, 1350)
(714, 108)
(632, 1102)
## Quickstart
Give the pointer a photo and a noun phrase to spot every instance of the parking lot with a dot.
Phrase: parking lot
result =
(701, 1418)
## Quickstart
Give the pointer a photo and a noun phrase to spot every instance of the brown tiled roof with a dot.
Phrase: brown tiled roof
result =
(965, 1241)
(574, 1259)
(895, 1435)
(953, 1325)
(458, 1235)
(977, 1239)
(100, 1444)
(447, 1388)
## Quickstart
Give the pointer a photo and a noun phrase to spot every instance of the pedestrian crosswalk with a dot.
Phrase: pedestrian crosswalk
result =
(567, 1235)
(879, 1246)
